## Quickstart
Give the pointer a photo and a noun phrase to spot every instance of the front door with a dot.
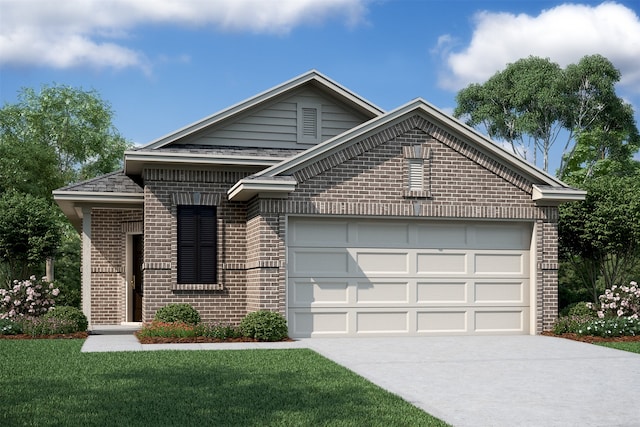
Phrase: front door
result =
(136, 280)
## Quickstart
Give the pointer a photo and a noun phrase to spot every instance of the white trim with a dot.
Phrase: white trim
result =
(548, 196)
(245, 189)
(136, 160)
(86, 263)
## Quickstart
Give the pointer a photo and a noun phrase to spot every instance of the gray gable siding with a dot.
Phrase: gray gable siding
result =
(275, 125)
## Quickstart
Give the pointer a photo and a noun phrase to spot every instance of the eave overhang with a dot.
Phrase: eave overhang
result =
(544, 195)
(135, 161)
(248, 188)
(72, 203)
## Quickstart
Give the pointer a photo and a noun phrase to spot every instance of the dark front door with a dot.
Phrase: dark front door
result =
(136, 281)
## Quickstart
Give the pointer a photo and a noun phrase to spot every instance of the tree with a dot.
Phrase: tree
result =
(533, 102)
(29, 233)
(600, 236)
(57, 136)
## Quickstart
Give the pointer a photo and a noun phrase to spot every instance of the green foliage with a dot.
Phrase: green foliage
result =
(29, 232)
(56, 136)
(611, 327)
(10, 327)
(38, 326)
(180, 312)
(581, 309)
(600, 236)
(222, 332)
(67, 269)
(264, 326)
(174, 329)
(532, 101)
(570, 324)
(72, 314)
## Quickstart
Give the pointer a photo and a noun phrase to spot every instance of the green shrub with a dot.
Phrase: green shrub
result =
(570, 324)
(175, 329)
(10, 327)
(222, 332)
(181, 312)
(264, 326)
(581, 309)
(72, 314)
(36, 326)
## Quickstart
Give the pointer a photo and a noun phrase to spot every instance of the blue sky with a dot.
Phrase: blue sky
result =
(163, 64)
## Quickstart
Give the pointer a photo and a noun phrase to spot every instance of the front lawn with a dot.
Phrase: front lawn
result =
(49, 382)
(632, 346)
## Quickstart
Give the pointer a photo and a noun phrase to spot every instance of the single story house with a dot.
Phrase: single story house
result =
(309, 200)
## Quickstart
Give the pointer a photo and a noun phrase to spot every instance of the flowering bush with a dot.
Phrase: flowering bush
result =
(620, 301)
(611, 327)
(9, 327)
(27, 298)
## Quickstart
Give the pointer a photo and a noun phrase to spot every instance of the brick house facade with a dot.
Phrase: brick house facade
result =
(279, 200)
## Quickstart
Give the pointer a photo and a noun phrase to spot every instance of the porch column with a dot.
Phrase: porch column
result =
(86, 263)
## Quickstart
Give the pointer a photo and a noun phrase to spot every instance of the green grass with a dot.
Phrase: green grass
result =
(49, 382)
(632, 346)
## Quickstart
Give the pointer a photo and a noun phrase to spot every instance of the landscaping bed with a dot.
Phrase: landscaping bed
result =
(591, 338)
(75, 335)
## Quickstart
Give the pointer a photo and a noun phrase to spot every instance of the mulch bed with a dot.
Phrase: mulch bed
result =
(590, 338)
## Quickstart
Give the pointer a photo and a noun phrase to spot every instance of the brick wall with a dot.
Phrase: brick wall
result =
(108, 263)
(165, 189)
(366, 178)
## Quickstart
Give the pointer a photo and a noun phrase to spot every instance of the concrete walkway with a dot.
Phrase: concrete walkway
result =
(475, 381)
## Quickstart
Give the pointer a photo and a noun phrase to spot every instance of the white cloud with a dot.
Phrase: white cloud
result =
(69, 33)
(564, 34)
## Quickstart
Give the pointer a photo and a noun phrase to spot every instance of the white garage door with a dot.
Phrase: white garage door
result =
(389, 277)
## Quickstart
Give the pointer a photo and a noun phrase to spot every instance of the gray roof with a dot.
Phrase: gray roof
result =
(214, 150)
(114, 182)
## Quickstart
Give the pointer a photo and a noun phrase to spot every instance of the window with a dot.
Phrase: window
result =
(197, 244)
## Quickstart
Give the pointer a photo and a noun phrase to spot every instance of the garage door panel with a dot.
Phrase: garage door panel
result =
(324, 262)
(442, 321)
(500, 321)
(382, 292)
(382, 322)
(382, 262)
(502, 236)
(319, 233)
(442, 263)
(306, 323)
(381, 235)
(500, 292)
(499, 264)
(441, 236)
(307, 292)
(441, 292)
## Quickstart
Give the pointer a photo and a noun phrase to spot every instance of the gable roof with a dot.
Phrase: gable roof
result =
(547, 188)
(160, 149)
(312, 77)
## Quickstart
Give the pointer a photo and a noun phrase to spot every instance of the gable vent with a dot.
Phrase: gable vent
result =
(416, 174)
(309, 123)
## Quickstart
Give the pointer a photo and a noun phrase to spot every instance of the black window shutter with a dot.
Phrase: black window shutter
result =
(197, 241)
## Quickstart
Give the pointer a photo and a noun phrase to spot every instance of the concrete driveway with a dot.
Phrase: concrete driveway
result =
(499, 380)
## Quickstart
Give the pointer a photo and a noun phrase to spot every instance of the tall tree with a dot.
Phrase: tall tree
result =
(533, 102)
(56, 136)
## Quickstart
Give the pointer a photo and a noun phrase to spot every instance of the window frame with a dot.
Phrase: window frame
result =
(197, 270)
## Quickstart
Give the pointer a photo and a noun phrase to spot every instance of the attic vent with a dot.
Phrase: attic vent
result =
(416, 174)
(309, 123)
